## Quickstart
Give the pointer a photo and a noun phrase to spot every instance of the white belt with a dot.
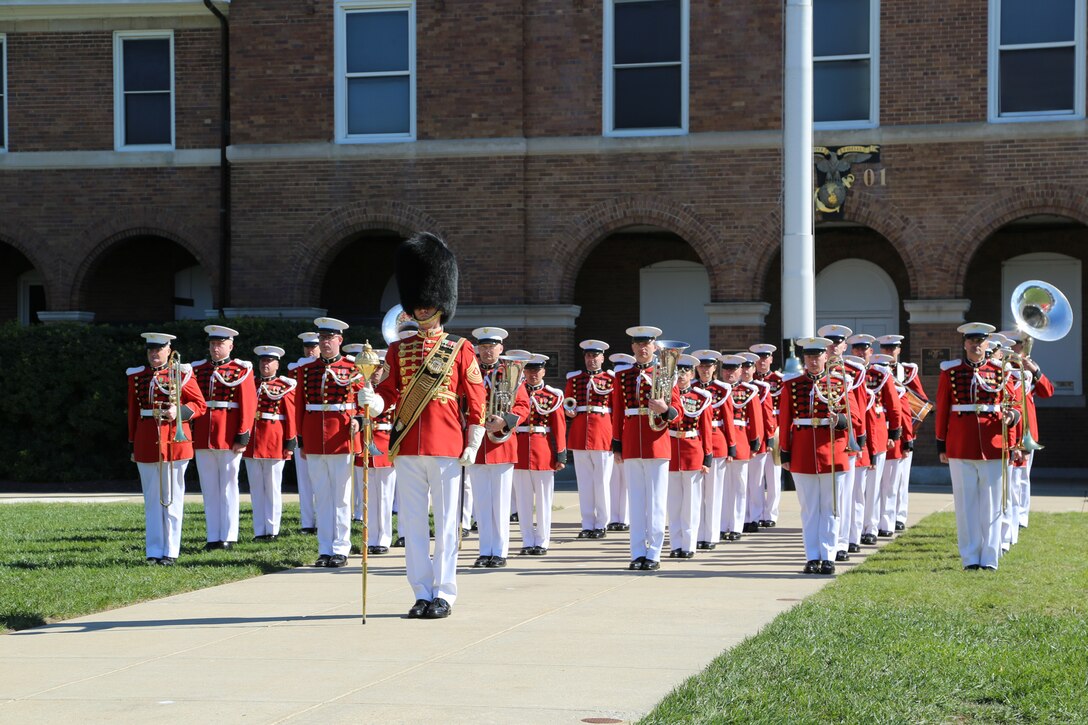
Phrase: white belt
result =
(149, 412)
(311, 407)
(775, 411)
(684, 433)
(272, 416)
(383, 426)
(976, 408)
(878, 408)
(812, 422)
(740, 424)
(533, 429)
(221, 404)
(592, 409)
(716, 423)
(636, 411)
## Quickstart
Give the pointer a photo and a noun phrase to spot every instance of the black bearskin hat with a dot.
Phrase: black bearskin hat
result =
(426, 272)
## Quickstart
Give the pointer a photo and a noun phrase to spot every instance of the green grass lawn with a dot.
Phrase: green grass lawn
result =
(910, 637)
(59, 561)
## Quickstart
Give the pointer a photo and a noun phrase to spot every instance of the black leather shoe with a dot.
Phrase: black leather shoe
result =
(213, 545)
(481, 562)
(497, 562)
(723, 536)
(227, 545)
(310, 530)
(614, 527)
(438, 609)
(853, 549)
(464, 533)
(539, 551)
(651, 565)
(585, 534)
(167, 561)
(526, 551)
(811, 567)
(842, 556)
(623, 527)
(884, 534)
(826, 567)
(399, 543)
(734, 536)
(514, 517)
(337, 560)
(750, 527)
(687, 554)
(599, 534)
(711, 546)
(636, 565)
(766, 524)
(900, 525)
(700, 545)
(418, 609)
(674, 553)
(322, 561)
(475, 526)
(868, 539)
(989, 568)
(972, 567)
(153, 560)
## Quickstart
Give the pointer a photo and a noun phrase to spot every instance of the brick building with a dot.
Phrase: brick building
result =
(593, 163)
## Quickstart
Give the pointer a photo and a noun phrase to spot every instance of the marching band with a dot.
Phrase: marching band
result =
(667, 444)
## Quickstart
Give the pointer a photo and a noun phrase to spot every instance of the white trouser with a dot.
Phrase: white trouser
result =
(772, 487)
(379, 504)
(889, 481)
(647, 488)
(870, 498)
(421, 480)
(734, 495)
(162, 524)
(710, 510)
(305, 494)
(819, 526)
(466, 503)
(265, 479)
(535, 488)
(617, 496)
(1025, 493)
(330, 475)
(846, 504)
(755, 502)
(594, 471)
(218, 470)
(976, 491)
(685, 494)
(493, 483)
(1010, 517)
(901, 488)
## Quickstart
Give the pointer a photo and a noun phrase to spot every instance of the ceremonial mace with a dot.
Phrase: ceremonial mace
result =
(366, 363)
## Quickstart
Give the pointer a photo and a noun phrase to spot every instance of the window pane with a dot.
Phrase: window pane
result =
(840, 27)
(147, 119)
(1037, 21)
(377, 42)
(147, 65)
(647, 98)
(378, 105)
(648, 32)
(840, 90)
(1037, 80)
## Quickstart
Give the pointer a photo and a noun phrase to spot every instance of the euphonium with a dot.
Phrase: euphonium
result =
(504, 381)
(664, 378)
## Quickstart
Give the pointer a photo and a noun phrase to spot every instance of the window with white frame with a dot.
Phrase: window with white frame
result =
(3, 93)
(1037, 59)
(645, 67)
(845, 79)
(375, 70)
(144, 90)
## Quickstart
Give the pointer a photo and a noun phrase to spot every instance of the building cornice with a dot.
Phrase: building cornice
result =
(82, 9)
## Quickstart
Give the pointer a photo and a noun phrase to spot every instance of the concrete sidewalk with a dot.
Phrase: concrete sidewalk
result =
(567, 638)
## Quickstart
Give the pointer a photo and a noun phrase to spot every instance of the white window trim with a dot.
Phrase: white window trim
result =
(608, 90)
(119, 37)
(343, 7)
(994, 82)
(873, 57)
(4, 91)
(28, 279)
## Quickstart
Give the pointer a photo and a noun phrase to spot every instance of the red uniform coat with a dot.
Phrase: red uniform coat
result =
(632, 436)
(767, 414)
(542, 439)
(971, 435)
(883, 413)
(507, 451)
(232, 401)
(439, 430)
(1042, 388)
(380, 428)
(808, 448)
(274, 430)
(905, 418)
(591, 428)
(774, 380)
(691, 432)
(747, 418)
(722, 436)
(148, 391)
(325, 401)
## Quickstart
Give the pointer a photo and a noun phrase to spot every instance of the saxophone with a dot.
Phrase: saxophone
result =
(504, 381)
(664, 378)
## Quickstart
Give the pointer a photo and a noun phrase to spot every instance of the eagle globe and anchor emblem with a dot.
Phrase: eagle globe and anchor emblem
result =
(833, 165)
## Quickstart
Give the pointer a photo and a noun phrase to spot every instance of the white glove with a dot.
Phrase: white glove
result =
(371, 401)
(475, 438)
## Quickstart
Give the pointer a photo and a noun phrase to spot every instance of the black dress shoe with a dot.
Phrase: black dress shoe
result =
(399, 543)
(337, 560)
(687, 554)
(213, 545)
(481, 562)
(322, 561)
(418, 609)
(623, 527)
(526, 551)
(496, 562)
(310, 530)
(868, 539)
(674, 553)
(599, 534)
(637, 564)
(514, 517)
(167, 561)
(884, 534)
(989, 568)
(475, 526)
(711, 546)
(651, 565)
(227, 545)
(613, 526)
(900, 525)
(734, 536)
(153, 560)
(766, 524)
(842, 556)
(539, 551)
(750, 527)
(826, 567)
(972, 567)
(700, 545)
(438, 609)
(723, 536)
(585, 534)
(811, 567)
(464, 533)
(853, 548)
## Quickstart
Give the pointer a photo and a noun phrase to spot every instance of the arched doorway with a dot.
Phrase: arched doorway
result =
(22, 287)
(358, 286)
(859, 294)
(673, 296)
(192, 293)
(137, 280)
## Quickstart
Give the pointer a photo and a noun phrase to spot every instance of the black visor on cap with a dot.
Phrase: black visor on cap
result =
(862, 344)
(836, 338)
(764, 354)
(533, 366)
(489, 341)
(730, 366)
(974, 336)
(643, 338)
(156, 345)
(813, 350)
(214, 338)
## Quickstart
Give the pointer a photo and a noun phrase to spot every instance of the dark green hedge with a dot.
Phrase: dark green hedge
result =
(62, 391)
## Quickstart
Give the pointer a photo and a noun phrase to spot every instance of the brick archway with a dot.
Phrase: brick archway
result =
(319, 245)
(28, 246)
(988, 217)
(554, 278)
